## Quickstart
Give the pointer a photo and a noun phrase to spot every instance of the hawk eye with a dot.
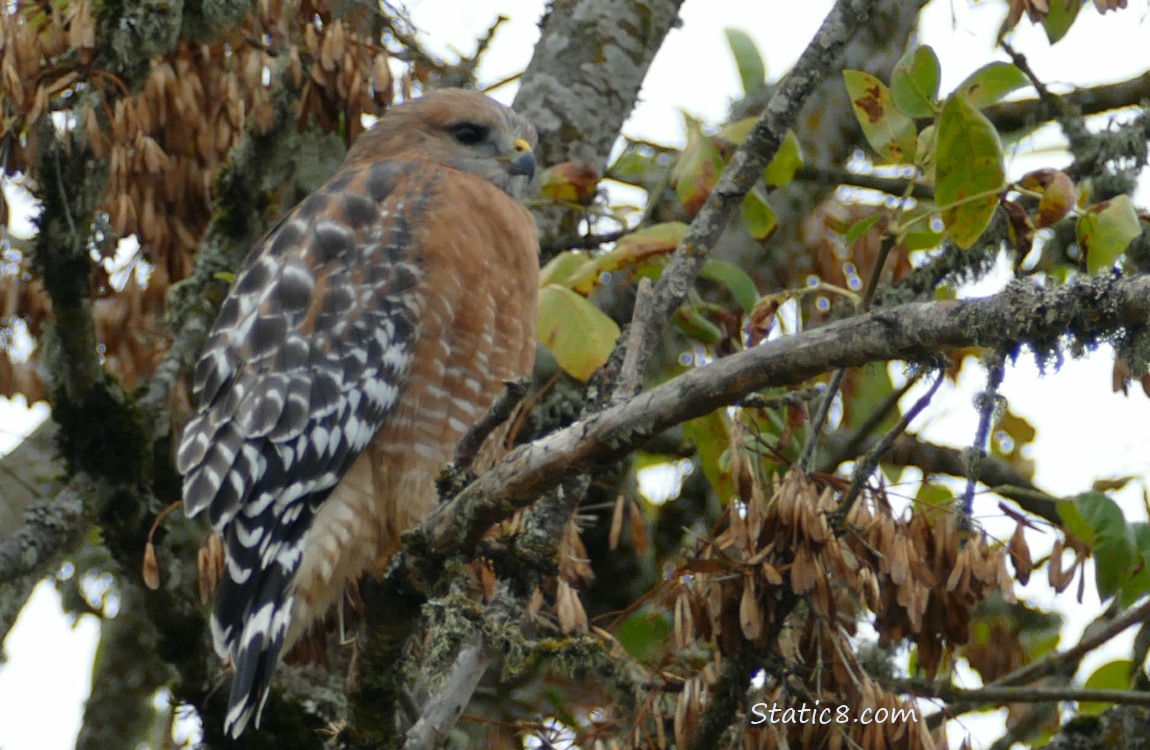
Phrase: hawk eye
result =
(468, 133)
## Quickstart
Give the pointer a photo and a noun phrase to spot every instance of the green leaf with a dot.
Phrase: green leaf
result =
(692, 322)
(1114, 675)
(697, 169)
(748, 60)
(735, 279)
(935, 495)
(1074, 522)
(990, 83)
(736, 132)
(1114, 549)
(643, 634)
(758, 215)
(786, 163)
(711, 436)
(969, 170)
(225, 276)
(630, 250)
(634, 167)
(865, 390)
(1060, 18)
(1139, 583)
(562, 267)
(861, 227)
(914, 82)
(579, 335)
(923, 239)
(889, 132)
(1105, 230)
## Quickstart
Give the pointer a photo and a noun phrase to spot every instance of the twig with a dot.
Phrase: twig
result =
(582, 242)
(1042, 695)
(1071, 124)
(879, 264)
(1016, 115)
(868, 463)
(463, 72)
(889, 185)
(746, 166)
(987, 407)
(499, 413)
(911, 450)
(630, 380)
(820, 419)
(837, 379)
(1063, 662)
(850, 447)
(792, 398)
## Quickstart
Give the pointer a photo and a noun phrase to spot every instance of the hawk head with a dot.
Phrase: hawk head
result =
(461, 129)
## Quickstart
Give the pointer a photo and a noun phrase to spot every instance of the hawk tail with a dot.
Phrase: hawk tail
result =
(249, 627)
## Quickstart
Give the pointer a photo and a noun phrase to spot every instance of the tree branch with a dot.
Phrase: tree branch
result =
(911, 450)
(889, 185)
(442, 710)
(747, 164)
(583, 81)
(31, 472)
(1084, 312)
(1062, 662)
(996, 695)
(52, 528)
(1019, 115)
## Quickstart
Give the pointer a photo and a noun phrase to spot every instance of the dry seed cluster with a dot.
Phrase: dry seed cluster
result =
(163, 144)
(780, 579)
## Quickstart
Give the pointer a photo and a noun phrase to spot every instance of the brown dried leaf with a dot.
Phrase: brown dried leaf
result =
(616, 524)
(639, 538)
(1020, 555)
(151, 567)
(961, 570)
(803, 571)
(750, 616)
(381, 81)
(572, 617)
(771, 574)
(202, 579)
(684, 621)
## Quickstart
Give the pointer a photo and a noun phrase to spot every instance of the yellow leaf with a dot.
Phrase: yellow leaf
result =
(579, 334)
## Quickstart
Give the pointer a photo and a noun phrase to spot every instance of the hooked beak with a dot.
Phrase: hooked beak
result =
(523, 162)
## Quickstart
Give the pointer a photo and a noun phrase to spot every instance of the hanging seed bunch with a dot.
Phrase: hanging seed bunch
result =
(790, 579)
(161, 138)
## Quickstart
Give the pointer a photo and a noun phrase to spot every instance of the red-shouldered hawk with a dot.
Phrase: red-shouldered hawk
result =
(365, 334)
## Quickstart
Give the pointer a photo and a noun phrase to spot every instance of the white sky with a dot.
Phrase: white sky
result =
(1084, 431)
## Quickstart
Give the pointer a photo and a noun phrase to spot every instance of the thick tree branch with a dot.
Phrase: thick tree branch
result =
(119, 711)
(583, 81)
(30, 473)
(443, 709)
(52, 528)
(1085, 311)
(1026, 113)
